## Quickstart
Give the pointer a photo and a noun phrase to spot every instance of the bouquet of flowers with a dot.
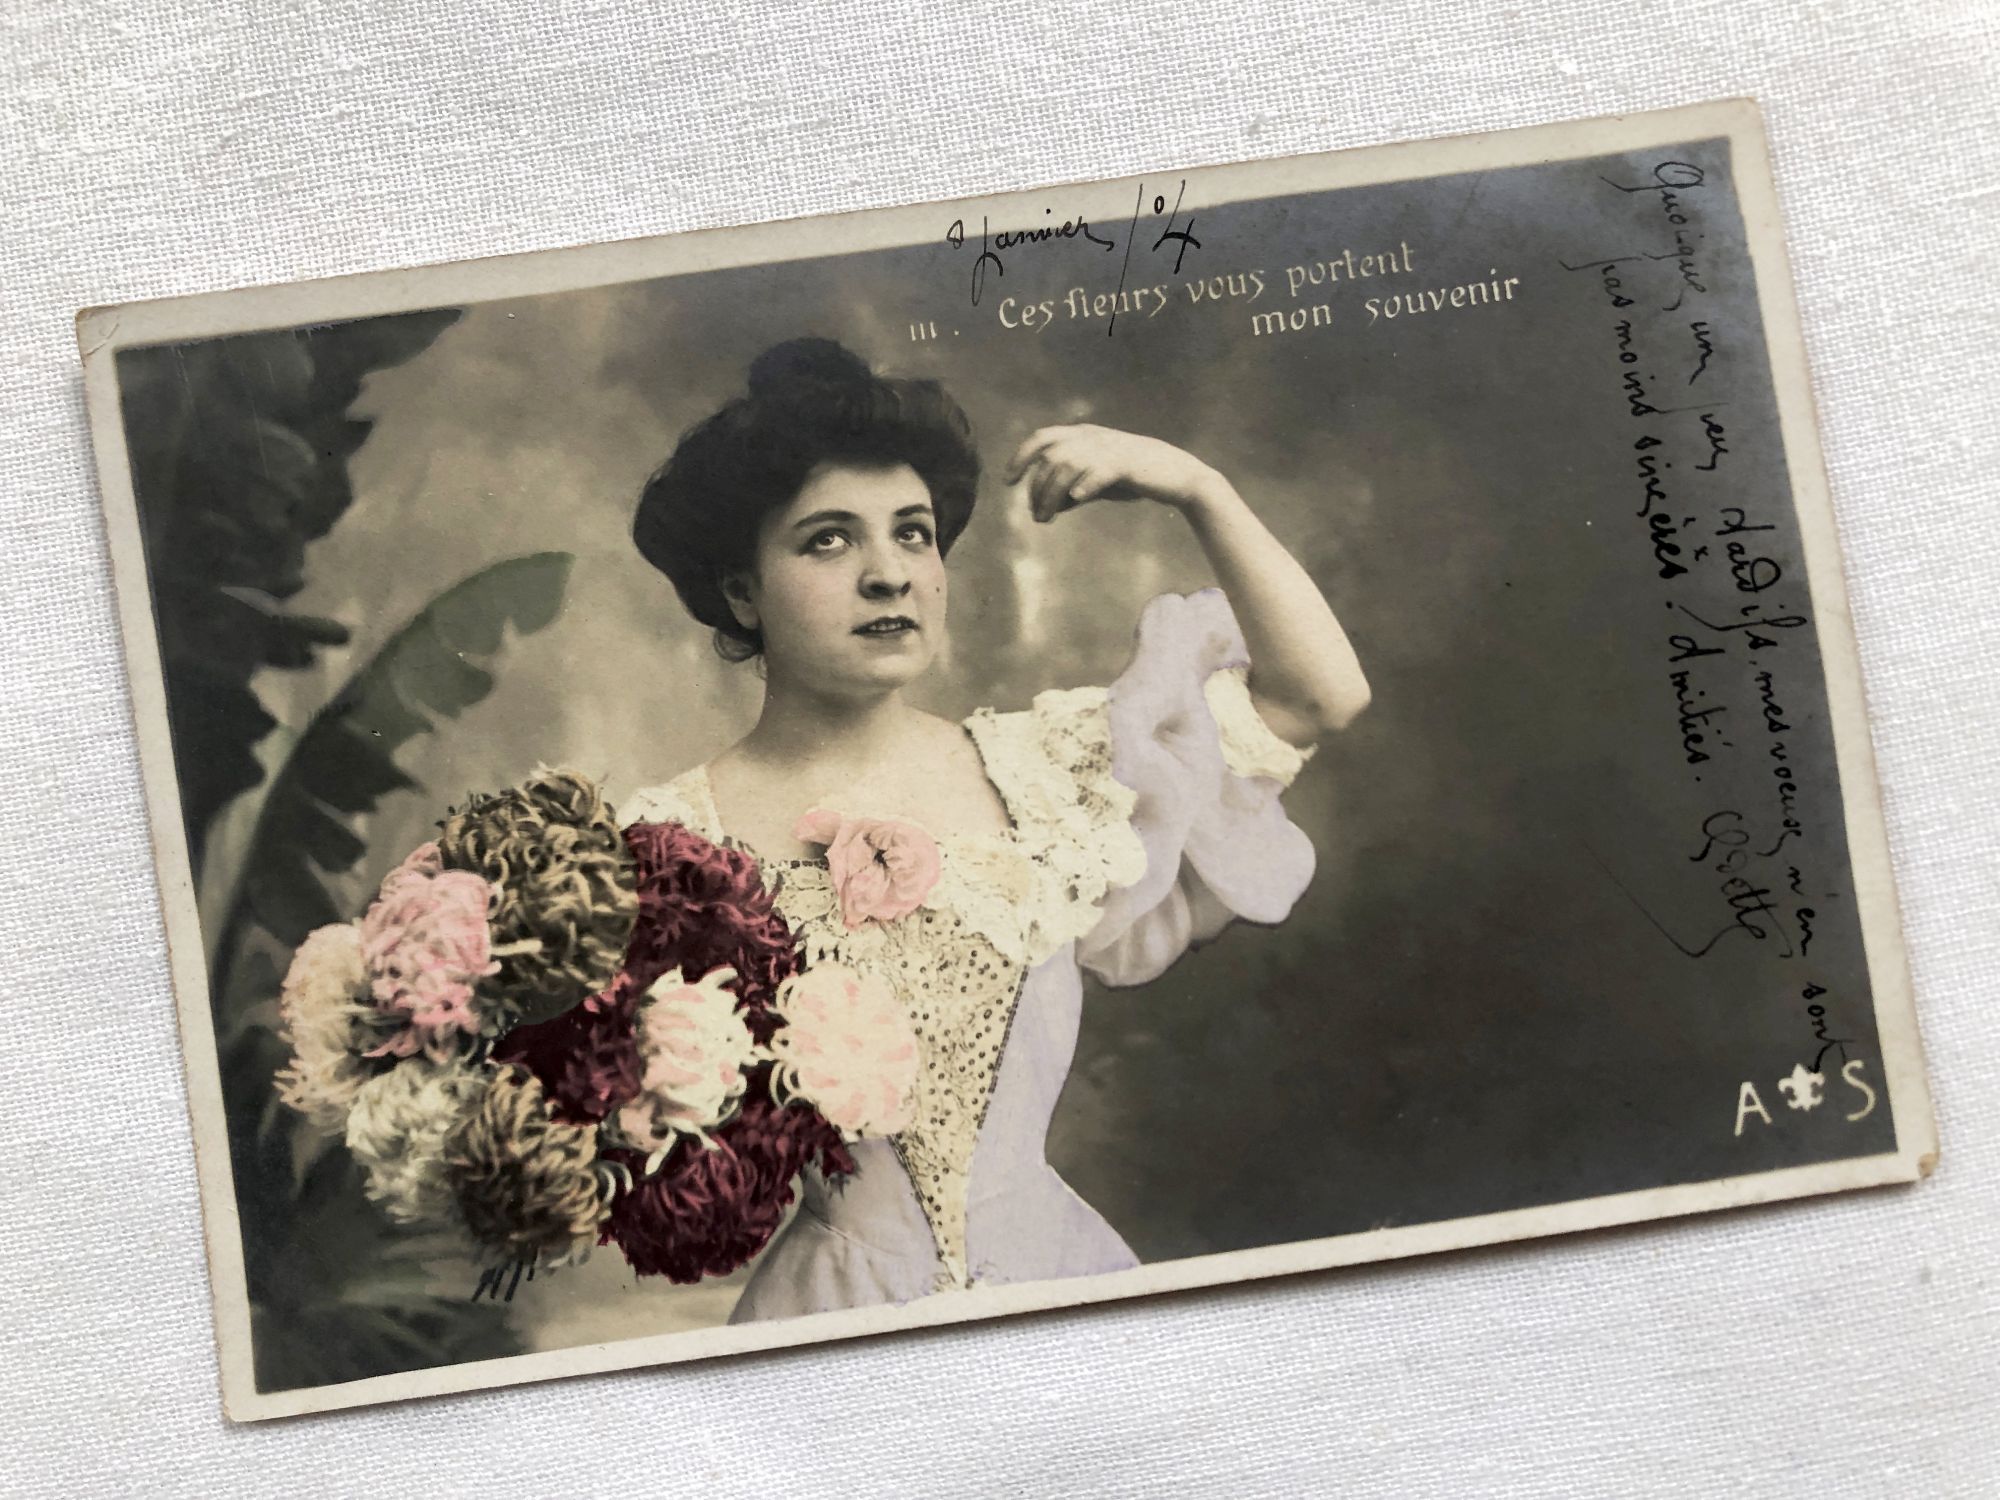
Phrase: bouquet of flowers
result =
(548, 1033)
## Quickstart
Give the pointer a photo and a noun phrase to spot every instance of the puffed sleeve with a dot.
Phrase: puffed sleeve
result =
(1206, 773)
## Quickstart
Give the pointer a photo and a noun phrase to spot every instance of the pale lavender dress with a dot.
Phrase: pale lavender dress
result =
(1146, 818)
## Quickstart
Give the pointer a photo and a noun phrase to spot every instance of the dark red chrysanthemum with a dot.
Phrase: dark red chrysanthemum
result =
(709, 1210)
(587, 1059)
(703, 907)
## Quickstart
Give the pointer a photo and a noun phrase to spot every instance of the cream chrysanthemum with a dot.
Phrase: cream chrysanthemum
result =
(397, 1129)
(326, 1022)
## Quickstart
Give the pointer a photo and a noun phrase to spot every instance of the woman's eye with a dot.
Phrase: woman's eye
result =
(917, 532)
(825, 541)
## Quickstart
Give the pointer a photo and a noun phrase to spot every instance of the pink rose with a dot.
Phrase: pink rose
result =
(846, 1048)
(882, 867)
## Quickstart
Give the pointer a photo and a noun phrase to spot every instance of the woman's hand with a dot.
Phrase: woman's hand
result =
(1304, 678)
(1069, 466)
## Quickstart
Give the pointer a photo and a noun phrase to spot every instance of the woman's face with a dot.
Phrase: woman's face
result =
(849, 588)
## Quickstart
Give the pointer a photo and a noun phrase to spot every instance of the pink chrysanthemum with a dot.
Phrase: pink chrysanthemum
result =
(426, 944)
(696, 1048)
(847, 1049)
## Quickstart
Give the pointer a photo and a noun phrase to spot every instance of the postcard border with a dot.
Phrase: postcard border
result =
(103, 331)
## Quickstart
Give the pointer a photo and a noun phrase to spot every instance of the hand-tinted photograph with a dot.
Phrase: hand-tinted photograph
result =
(789, 782)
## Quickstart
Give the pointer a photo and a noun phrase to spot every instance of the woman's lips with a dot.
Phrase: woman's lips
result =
(889, 625)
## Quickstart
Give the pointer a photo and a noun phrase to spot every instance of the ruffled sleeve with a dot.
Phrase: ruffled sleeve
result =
(1205, 772)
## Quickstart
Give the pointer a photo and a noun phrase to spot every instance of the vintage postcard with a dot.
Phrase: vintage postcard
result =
(757, 786)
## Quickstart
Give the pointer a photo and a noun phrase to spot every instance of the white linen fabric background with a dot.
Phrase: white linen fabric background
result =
(1833, 1347)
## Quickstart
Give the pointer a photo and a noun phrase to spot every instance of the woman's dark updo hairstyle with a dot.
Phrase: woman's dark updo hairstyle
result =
(810, 402)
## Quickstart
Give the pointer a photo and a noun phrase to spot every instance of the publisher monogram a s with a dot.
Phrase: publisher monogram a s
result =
(1803, 1091)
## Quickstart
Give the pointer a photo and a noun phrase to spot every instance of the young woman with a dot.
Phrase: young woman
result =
(979, 867)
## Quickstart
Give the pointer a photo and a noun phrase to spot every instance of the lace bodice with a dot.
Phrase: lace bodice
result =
(1003, 903)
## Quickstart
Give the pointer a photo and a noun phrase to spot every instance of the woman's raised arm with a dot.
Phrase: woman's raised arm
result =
(1304, 676)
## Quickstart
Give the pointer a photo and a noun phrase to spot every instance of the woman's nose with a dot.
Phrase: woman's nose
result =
(884, 576)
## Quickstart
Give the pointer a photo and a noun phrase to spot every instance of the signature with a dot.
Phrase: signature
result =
(1750, 904)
